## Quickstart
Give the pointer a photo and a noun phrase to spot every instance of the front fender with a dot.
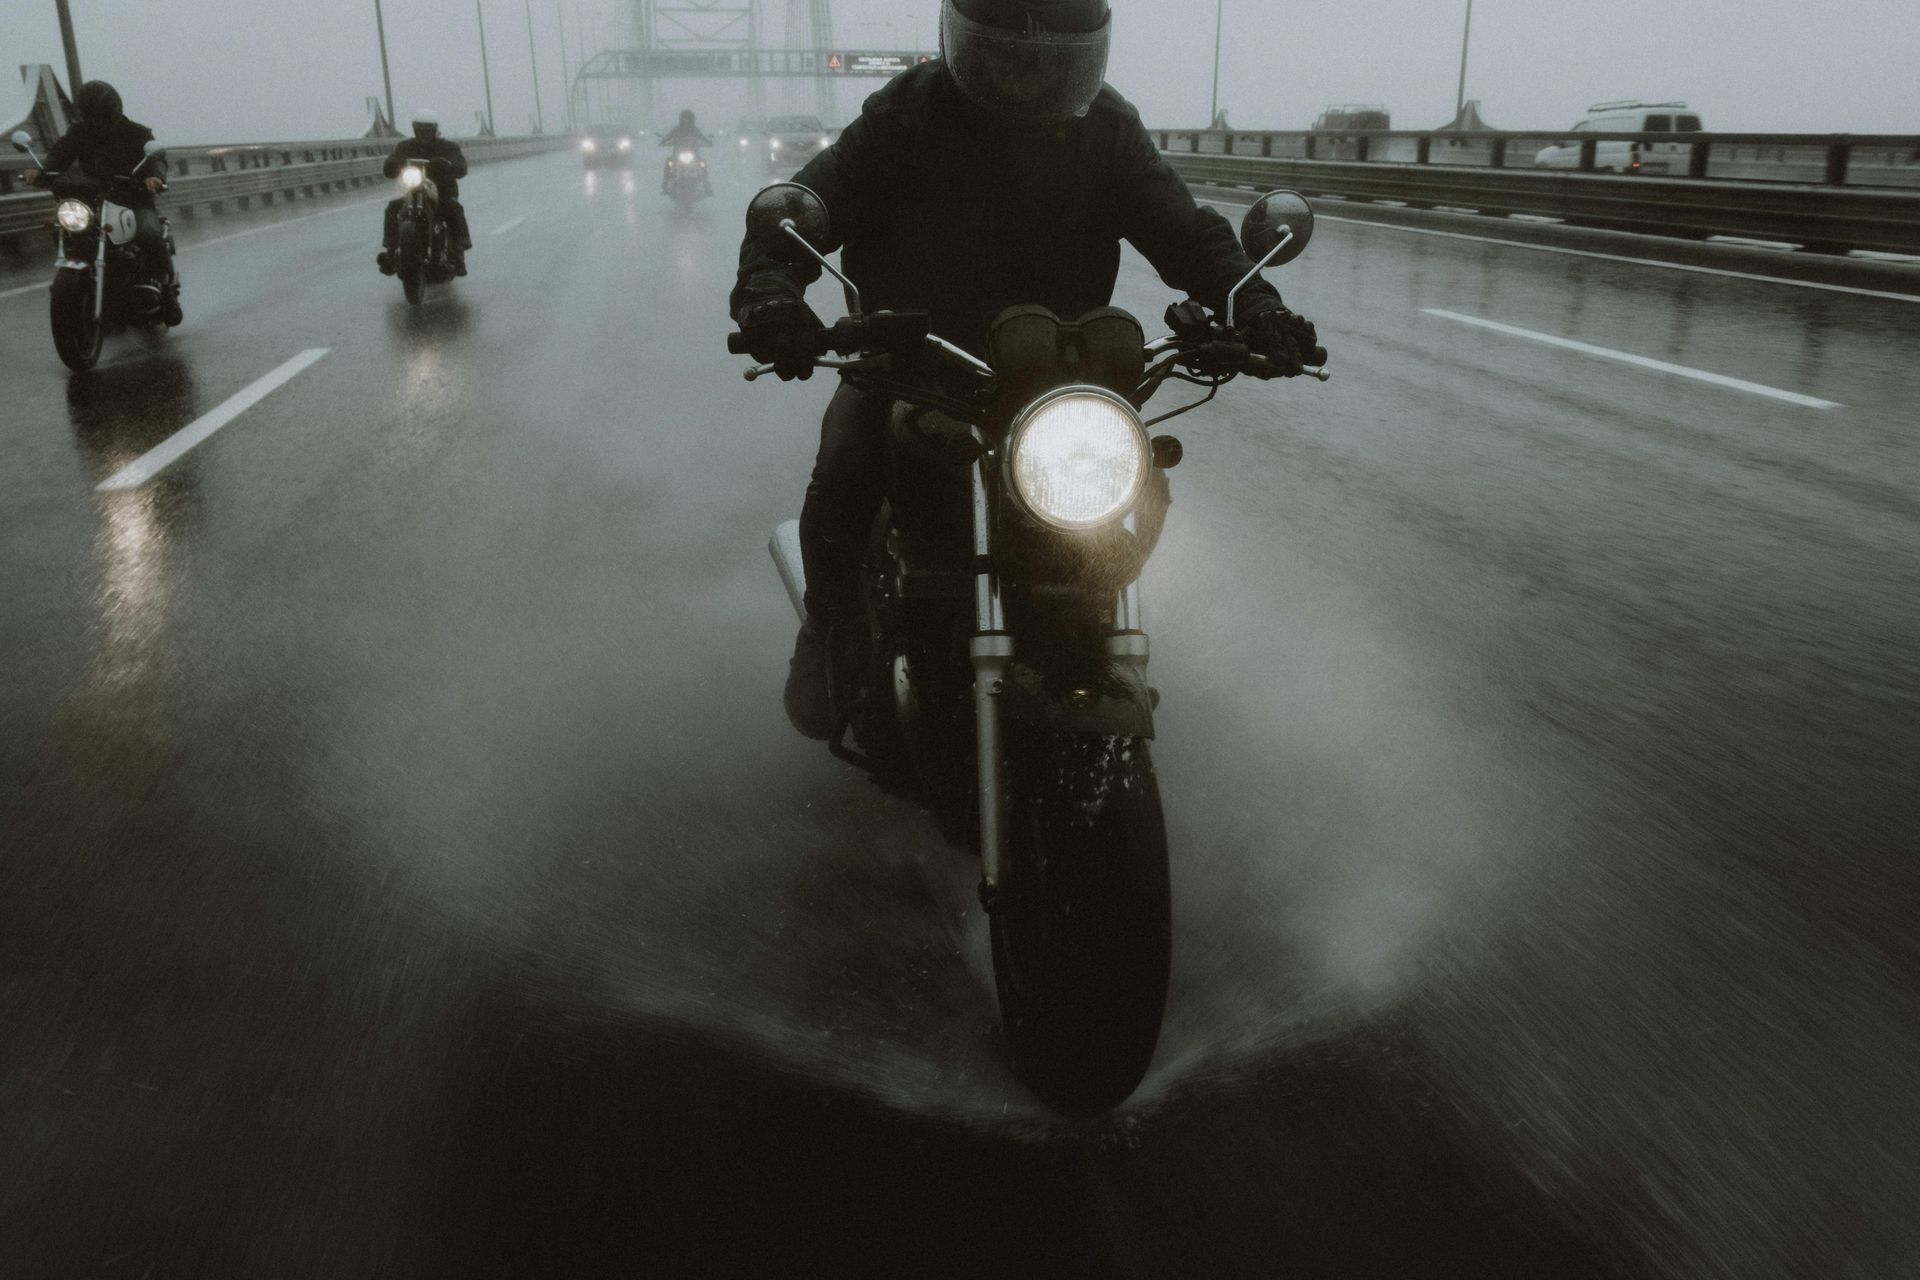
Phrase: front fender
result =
(1113, 701)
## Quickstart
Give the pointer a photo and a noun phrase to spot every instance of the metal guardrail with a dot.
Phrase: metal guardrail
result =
(1823, 219)
(211, 179)
(1837, 160)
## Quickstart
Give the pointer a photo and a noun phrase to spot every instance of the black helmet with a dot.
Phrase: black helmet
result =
(98, 104)
(1028, 61)
(686, 117)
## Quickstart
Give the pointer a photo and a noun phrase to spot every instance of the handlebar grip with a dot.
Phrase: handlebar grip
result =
(1319, 356)
(737, 345)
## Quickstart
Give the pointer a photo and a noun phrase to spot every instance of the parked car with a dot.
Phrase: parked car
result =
(794, 140)
(607, 145)
(1650, 157)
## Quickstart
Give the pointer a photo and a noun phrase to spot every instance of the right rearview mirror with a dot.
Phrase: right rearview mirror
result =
(784, 205)
(22, 140)
(1268, 222)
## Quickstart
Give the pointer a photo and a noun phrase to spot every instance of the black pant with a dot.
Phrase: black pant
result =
(849, 483)
(456, 218)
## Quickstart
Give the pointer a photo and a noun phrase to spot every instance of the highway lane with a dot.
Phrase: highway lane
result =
(408, 871)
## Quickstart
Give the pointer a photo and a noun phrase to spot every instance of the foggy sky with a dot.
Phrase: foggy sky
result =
(230, 71)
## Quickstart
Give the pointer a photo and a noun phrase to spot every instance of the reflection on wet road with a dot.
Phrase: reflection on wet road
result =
(408, 870)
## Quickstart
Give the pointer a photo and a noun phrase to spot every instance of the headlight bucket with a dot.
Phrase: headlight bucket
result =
(74, 216)
(1078, 459)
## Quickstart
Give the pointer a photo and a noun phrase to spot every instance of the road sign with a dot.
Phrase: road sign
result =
(835, 62)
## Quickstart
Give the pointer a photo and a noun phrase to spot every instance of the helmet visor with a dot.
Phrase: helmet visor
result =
(1043, 77)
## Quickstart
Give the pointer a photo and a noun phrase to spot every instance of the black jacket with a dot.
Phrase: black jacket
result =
(444, 150)
(685, 135)
(106, 154)
(939, 209)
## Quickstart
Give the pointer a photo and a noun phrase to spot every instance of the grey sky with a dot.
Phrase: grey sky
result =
(280, 68)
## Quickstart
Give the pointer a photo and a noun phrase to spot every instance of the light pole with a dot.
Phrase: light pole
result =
(486, 77)
(1219, 18)
(73, 47)
(533, 55)
(566, 76)
(1460, 103)
(386, 76)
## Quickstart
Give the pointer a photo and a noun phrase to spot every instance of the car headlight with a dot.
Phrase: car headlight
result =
(411, 177)
(74, 215)
(1078, 458)
(746, 142)
(586, 144)
(626, 144)
(826, 142)
(776, 144)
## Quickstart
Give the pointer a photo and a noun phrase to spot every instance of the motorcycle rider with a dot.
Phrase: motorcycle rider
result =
(446, 165)
(1003, 173)
(107, 145)
(685, 134)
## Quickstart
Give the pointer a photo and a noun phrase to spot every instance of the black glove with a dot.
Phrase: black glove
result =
(780, 329)
(1290, 341)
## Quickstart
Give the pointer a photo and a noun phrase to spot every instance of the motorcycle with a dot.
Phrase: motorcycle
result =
(1000, 674)
(687, 180)
(98, 265)
(424, 254)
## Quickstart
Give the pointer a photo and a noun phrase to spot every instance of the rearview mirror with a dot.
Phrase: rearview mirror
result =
(1266, 226)
(784, 207)
(22, 140)
(153, 147)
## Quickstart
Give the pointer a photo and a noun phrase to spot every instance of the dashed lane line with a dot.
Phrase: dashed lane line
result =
(174, 447)
(1643, 362)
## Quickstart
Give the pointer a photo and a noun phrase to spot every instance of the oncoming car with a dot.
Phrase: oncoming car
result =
(794, 140)
(1627, 157)
(607, 145)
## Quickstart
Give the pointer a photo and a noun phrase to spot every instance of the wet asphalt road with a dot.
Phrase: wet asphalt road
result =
(407, 870)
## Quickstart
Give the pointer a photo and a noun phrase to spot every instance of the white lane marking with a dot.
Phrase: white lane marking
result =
(42, 287)
(1625, 357)
(175, 446)
(500, 231)
(1609, 257)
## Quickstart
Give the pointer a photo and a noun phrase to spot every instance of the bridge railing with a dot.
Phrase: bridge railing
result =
(203, 180)
(1839, 160)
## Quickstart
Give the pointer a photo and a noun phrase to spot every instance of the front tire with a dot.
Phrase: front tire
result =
(77, 331)
(413, 254)
(1082, 940)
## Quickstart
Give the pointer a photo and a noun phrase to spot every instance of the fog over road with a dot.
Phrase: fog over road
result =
(406, 868)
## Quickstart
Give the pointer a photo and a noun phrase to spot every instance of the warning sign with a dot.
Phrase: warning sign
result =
(835, 62)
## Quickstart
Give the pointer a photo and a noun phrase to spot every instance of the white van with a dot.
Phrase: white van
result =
(1667, 158)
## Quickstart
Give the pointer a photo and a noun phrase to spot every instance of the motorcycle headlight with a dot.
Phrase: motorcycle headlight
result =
(626, 144)
(686, 157)
(1078, 458)
(74, 215)
(826, 142)
(411, 178)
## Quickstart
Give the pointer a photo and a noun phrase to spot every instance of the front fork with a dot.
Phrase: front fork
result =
(993, 651)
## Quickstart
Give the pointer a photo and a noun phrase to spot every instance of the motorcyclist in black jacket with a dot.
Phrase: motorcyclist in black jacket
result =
(1004, 173)
(685, 134)
(446, 165)
(106, 145)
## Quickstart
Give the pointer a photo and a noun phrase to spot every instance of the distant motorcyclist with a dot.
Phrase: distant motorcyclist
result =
(685, 134)
(106, 145)
(1004, 173)
(446, 165)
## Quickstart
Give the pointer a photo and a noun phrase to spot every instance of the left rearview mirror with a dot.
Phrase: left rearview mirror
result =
(1268, 222)
(153, 147)
(21, 140)
(784, 206)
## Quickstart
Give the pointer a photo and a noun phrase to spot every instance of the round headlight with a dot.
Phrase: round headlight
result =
(686, 157)
(1078, 458)
(626, 144)
(776, 144)
(411, 178)
(74, 215)
(586, 144)
(826, 142)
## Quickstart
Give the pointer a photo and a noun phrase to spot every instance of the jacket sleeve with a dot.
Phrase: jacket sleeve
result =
(392, 166)
(1194, 249)
(456, 158)
(844, 176)
(63, 152)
